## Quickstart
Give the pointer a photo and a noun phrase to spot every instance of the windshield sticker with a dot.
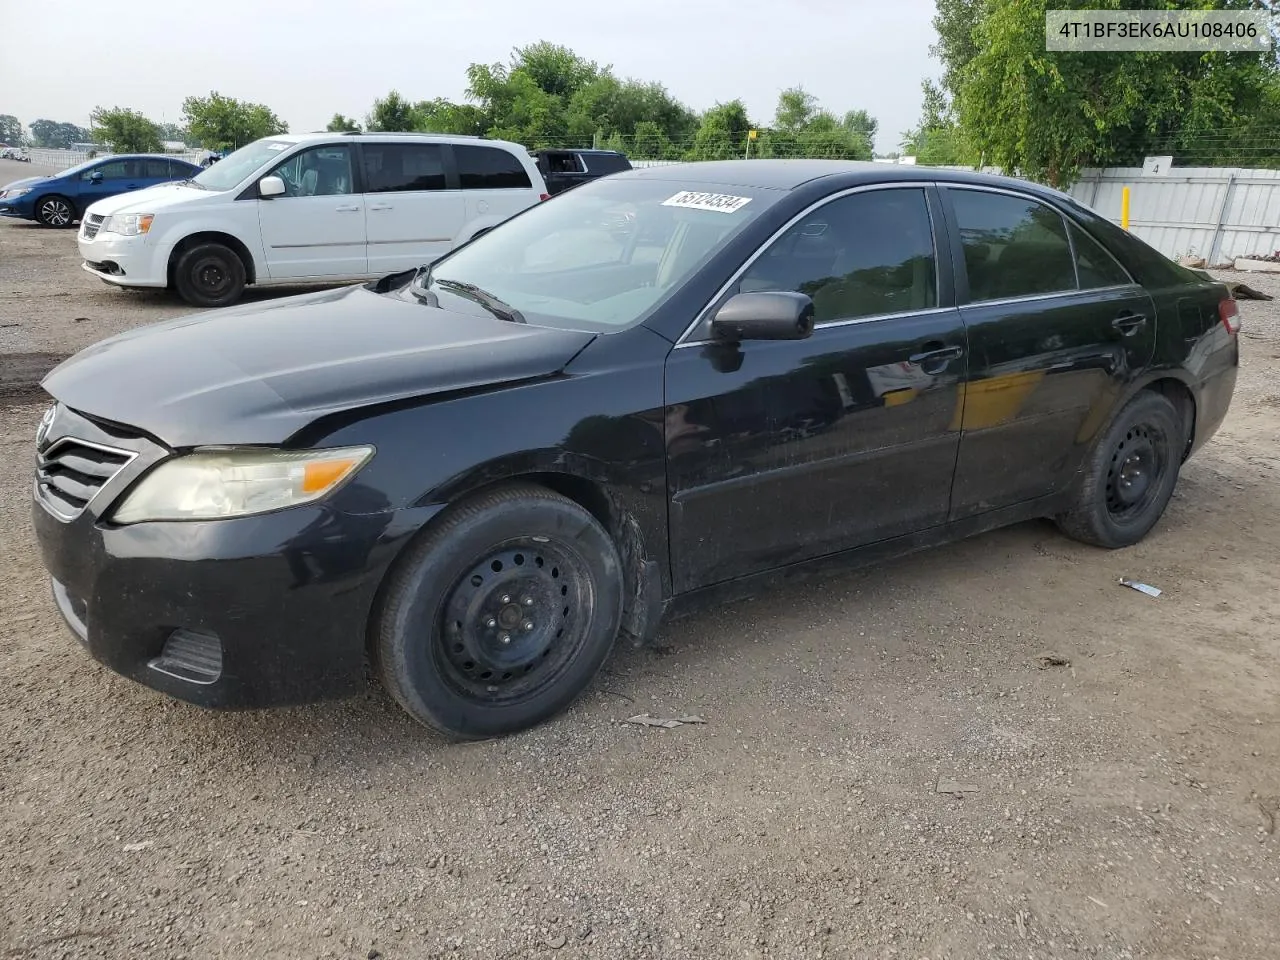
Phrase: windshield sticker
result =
(719, 202)
(276, 146)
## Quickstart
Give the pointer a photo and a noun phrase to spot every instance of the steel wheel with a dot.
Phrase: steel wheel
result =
(209, 275)
(1133, 476)
(55, 212)
(507, 625)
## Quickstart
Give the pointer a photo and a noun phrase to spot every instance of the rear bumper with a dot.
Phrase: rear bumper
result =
(1215, 388)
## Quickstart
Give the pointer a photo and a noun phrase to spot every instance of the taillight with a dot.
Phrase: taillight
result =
(1229, 314)
(544, 196)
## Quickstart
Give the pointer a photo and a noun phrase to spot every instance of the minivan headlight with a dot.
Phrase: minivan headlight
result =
(212, 484)
(127, 224)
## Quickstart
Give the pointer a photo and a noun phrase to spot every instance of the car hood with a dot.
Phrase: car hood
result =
(150, 199)
(24, 182)
(258, 374)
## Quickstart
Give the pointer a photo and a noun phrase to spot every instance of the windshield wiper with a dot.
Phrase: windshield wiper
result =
(499, 308)
(189, 183)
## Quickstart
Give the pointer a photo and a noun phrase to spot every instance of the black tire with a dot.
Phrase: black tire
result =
(519, 562)
(56, 211)
(1130, 475)
(209, 275)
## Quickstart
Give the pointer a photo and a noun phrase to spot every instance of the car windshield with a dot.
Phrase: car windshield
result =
(232, 169)
(600, 257)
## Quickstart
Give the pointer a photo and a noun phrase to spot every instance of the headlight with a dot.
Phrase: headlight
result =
(127, 224)
(209, 484)
(14, 192)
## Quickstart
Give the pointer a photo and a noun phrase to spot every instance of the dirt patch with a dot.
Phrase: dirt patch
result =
(21, 373)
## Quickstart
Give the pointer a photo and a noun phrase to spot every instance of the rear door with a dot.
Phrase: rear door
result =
(155, 170)
(317, 228)
(1057, 329)
(781, 451)
(414, 207)
(494, 182)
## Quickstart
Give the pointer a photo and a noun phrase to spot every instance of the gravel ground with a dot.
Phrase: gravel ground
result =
(886, 769)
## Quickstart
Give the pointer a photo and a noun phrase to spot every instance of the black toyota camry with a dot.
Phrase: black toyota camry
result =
(475, 476)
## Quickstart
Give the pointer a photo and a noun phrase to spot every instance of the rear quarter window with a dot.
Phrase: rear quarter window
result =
(606, 163)
(489, 168)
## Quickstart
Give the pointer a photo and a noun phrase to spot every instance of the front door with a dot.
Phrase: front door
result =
(1057, 329)
(781, 451)
(110, 178)
(317, 228)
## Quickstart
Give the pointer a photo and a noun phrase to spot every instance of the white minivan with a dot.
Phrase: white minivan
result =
(322, 206)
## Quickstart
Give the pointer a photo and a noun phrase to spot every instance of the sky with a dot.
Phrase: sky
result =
(308, 61)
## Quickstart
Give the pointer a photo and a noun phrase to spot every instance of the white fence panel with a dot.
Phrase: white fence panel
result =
(1218, 213)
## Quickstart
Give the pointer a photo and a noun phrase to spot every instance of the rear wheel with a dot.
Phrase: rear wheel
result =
(501, 615)
(55, 211)
(1130, 476)
(209, 275)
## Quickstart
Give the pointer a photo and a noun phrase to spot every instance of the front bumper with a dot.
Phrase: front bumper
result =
(126, 261)
(18, 209)
(246, 612)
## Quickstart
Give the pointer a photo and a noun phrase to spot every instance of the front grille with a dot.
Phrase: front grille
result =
(71, 471)
(92, 224)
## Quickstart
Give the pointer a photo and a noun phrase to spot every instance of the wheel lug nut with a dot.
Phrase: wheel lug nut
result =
(491, 623)
(505, 638)
(527, 601)
(528, 625)
(505, 598)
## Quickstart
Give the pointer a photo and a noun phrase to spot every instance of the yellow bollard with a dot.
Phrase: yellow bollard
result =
(1124, 208)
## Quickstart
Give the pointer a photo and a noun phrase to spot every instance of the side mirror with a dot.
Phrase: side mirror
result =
(95, 177)
(271, 187)
(767, 315)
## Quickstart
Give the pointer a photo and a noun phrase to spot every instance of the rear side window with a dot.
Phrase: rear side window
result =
(155, 169)
(1013, 247)
(489, 168)
(605, 163)
(403, 167)
(1094, 266)
(862, 255)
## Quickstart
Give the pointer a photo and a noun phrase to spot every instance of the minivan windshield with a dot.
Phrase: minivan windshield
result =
(601, 256)
(232, 169)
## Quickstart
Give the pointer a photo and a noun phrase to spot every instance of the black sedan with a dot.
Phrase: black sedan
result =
(475, 476)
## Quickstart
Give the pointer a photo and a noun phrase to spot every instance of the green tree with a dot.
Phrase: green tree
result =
(225, 123)
(10, 130)
(722, 133)
(57, 136)
(801, 128)
(444, 116)
(935, 140)
(126, 131)
(391, 114)
(1046, 114)
(341, 124)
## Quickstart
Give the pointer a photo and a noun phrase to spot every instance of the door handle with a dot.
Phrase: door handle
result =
(935, 357)
(381, 206)
(349, 208)
(1129, 323)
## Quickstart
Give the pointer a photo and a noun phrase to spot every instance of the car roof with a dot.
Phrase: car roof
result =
(378, 135)
(142, 156)
(790, 174)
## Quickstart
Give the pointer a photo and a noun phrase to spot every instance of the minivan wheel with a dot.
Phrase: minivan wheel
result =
(55, 211)
(209, 275)
(501, 615)
(1130, 476)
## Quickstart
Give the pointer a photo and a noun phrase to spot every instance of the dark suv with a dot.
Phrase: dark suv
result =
(562, 169)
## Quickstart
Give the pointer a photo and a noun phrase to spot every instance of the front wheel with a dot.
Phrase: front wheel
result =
(55, 211)
(499, 617)
(209, 275)
(1130, 475)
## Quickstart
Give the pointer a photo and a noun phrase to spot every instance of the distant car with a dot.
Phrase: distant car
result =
(562, 169)
(326, 206)
(15, 153)
(60, 200)
(473, 477)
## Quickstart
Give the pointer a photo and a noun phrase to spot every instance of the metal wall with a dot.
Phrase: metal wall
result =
(1218, 213)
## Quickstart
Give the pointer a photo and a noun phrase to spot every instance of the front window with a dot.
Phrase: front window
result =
(235, 168)
(317, 172)
(602, 256)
